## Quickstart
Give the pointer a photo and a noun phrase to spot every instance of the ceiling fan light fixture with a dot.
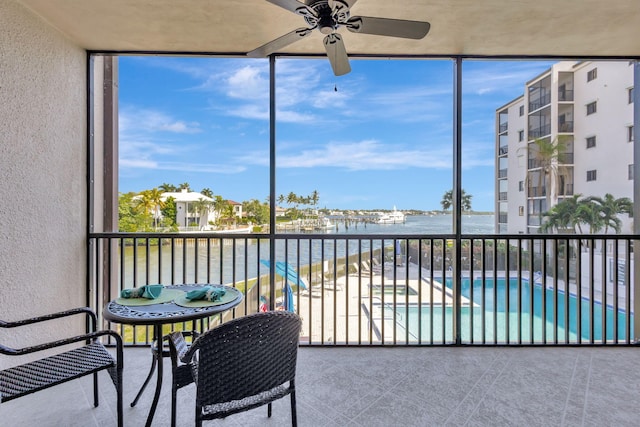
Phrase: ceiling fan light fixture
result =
(326, 24)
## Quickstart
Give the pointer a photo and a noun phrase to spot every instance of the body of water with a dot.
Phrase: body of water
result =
(419, 224)
(233, 261)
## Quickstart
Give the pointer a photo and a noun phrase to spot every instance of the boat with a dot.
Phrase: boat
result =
(325, 224)
(393, 217)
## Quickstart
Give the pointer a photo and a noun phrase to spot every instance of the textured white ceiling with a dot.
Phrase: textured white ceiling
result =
(467, 27)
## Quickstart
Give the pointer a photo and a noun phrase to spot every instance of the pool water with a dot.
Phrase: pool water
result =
(489, 320)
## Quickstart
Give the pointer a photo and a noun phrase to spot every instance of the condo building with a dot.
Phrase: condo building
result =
(585, 110)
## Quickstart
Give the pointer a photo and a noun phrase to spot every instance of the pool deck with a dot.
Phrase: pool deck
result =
(355, 306)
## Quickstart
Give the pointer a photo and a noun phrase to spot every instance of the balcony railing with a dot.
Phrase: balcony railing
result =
(565, 127)
(503, 127)
(371, 290)
(537, 191)
(540, 131)
(565, 95)
(567, 190)
(504, 150)
(502, 196)
(565, 158)
(503, 173)
(540, 102)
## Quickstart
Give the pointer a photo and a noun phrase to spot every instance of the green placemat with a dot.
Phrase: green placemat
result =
(231, 295)
(167, 295)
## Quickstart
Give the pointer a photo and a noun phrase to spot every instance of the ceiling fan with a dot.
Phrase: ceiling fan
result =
(329, 15)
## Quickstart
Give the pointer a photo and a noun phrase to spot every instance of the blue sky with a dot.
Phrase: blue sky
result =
(378, 137)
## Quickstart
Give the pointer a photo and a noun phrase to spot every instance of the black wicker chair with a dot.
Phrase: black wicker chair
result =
(181, 373)
(49, 371)
(242, 364)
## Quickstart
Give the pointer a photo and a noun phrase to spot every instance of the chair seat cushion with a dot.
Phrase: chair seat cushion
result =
(221, 410)
(40, 374)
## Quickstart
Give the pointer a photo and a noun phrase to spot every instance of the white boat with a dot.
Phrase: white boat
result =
(393, 217)
(325, 224)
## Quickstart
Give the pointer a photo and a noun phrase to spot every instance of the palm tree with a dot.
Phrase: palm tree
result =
(545, 154)
(609, 208)
(589, 213)
(219, 205)
(200, 206)
(315, 197)
(155, 196)
(562, 217)
(466, 201)
(168, 188)
(144, 204)
(184, 186)
(447, 200)
(207, 192)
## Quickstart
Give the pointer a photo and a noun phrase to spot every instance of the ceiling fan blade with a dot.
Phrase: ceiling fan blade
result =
(337, 54)
(333, 4)
(279, 43)
(293, 6)
(388, 27)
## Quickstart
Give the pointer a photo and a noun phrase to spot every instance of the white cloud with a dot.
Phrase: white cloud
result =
(500, 76)
(181, 166)
(248, 83)
(359, 156)
(137, 120)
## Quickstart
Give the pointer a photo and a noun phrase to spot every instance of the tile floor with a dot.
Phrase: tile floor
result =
(390, 387)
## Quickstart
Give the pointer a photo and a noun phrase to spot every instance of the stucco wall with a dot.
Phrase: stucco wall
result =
(42, 170)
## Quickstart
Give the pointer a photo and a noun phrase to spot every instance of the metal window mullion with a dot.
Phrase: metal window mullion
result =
(443, 293)
(419, 291)
(406, 292)
(507, 299)
(544, 243)
(310, 302)
(555, 291)
(184, 260)
(519, 290)
(196, 244)
(615, 291)
(591, 292)
(246, 273)
(603, 290)
(335, 295)
(457, 185)
(579, 291)
(160, 260)
(627, 287)
(567, 293)
(532, 286)
(173, 260)
(431, 276)
(123, 265)
(483, 288)
(495, 291)
(471, 295)
(135, 262)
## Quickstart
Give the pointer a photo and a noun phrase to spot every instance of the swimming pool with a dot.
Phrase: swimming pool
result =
(490, 321)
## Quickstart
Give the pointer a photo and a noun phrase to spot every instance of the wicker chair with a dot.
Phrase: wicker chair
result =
(49, 371)
(242, 364)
